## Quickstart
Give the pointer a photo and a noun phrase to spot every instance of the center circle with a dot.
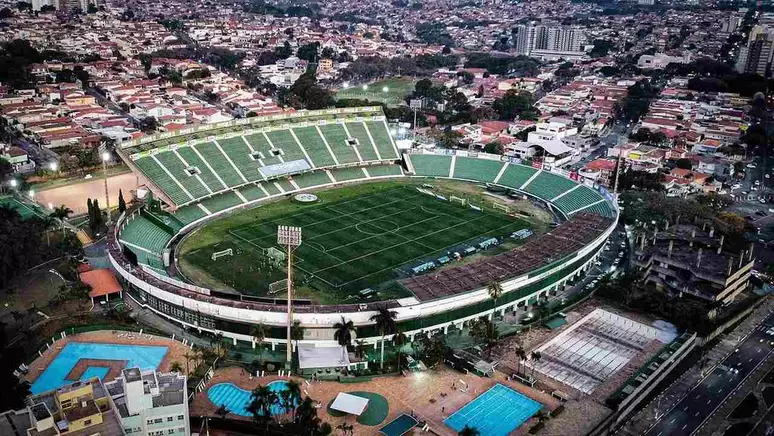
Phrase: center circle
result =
(377, 227)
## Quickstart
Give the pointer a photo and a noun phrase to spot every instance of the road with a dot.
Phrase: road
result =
(702, 401)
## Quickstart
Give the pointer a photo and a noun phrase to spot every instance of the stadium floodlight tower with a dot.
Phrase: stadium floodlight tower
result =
(290, 238)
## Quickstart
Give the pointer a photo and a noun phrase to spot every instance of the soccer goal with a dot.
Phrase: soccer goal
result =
(278, 286)
(226, 252)
(459, 200)
(276, 255)
(501, 207)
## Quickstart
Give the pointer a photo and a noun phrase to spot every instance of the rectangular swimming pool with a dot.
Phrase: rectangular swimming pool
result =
(55, 375)
(496, 412)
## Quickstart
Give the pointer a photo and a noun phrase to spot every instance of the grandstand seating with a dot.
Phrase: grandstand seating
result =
(192, 172)
(220, 165)
(252, 192)
(384, 170)
(482, 170)
(344, 174)
(143, 233)
(431, 165)
(311, 179)
(547, 185)
(577, 198)
(189, 214)
(314, 146)
(336, 137)
(221, 202)
(366, 148)
(516, 175)
(381, 139)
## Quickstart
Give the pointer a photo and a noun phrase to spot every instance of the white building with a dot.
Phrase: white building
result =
(151, 403)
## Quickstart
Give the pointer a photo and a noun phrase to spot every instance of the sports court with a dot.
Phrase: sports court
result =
(359, 242)
(26, 210)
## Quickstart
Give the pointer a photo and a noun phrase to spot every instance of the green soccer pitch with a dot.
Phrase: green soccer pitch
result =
(397, 90)
(354, 239)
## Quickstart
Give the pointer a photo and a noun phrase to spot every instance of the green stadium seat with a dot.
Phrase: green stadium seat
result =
(283, 140)
(221, 202)
(157, 175)
(365, 146)
(177, 168)
(311, 179)
(189, 214)
(206, 175)
(252, 192)
(219, 164)
(576, 199)
(481, 170)
(337, 140)
(239, 153)
(516, 175)
(142, 232)
(285, 184)
(431, 165)
(270, 188)
(547, 185)
(259, 143)
(381, 135)
(345, 174)
(384, 170)
(314, 146)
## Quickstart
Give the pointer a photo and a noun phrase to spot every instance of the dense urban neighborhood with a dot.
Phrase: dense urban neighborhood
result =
(397, 217)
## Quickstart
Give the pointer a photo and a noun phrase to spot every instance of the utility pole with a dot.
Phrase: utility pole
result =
(105, 159)
(290, 238)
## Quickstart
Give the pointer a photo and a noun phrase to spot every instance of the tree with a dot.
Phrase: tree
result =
(222, 411)
(684, 163)
(343, 334)
(296, 331)
(308, 52)
(6, 169)
(61, 213)
(258, 334)
(535, 356)
(291, 396)
(262, 399)
(385, 325)
(5, 13)
(469, 431)
(283, 52)
(514, 104)
(176, 367)
(121, 202)
(495, 290)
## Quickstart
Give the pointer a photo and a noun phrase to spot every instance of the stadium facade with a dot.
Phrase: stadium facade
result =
(207, 172)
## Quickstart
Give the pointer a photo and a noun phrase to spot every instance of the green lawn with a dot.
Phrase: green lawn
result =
(364, 236)
(398, 89)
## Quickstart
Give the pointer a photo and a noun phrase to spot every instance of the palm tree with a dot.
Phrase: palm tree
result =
(222, 411)
(399, 340)
(469, 431)
(541, 416)
(521, 355)
(495, 291)
(188, 357)
(535, 356)
(176, 367)
(360, 349)
(385, 324)
(293, 388)
(296, 331)
(258, 333)
(61, 213)
(343, 334)
(261, 400)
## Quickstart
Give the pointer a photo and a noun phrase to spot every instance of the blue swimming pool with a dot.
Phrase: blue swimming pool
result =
(496, 412)
(142, 356)
(236, 399)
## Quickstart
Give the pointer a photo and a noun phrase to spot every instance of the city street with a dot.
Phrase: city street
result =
(702, 401)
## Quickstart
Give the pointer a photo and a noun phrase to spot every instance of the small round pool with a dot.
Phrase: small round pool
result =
(237, 399)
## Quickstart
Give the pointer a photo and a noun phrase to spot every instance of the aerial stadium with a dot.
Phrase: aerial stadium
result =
(420, 232)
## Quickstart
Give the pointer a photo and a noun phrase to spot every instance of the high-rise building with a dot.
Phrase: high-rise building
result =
(553, 39)
(151, 403)
(756, 57)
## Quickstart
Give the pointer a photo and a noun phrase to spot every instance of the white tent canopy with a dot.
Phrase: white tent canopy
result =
(349, 403)
(321, 357)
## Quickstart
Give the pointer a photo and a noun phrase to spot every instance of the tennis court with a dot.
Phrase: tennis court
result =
(359, 242)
